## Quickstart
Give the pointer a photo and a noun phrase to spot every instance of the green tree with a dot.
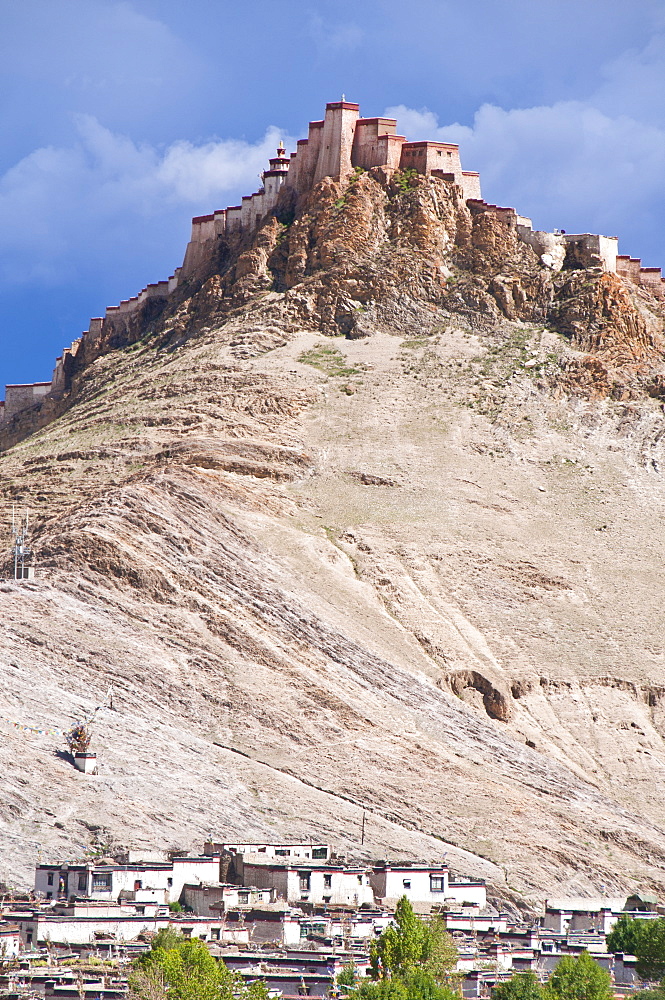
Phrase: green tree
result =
(402, 946)
(579, 979)
(417, 984)
(625, 935)
(650, 949)
(412, 944)
(348, 976)
(442, 956)
(521, 986)
(657, 993)
(179, 968)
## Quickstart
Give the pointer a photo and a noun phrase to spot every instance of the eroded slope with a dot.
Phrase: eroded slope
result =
(414, 569)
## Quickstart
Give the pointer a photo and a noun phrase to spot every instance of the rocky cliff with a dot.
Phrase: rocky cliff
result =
(366, 518)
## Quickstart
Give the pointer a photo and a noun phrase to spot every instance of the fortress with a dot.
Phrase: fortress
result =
(335, 147)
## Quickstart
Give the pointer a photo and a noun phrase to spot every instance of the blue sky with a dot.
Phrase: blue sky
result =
(123, 118)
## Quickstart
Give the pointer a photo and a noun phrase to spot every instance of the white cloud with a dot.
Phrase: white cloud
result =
(108, 195)
(568, 165)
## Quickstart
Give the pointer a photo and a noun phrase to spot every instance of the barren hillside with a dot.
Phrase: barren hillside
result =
(368, 519)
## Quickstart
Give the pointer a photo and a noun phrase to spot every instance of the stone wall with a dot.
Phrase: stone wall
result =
(549, 247)
(644, 277)
(22, 396)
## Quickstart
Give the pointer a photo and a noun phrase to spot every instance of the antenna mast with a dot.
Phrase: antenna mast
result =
(22, 552)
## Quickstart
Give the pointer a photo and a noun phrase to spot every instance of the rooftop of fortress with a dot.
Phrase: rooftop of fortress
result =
(337, 146)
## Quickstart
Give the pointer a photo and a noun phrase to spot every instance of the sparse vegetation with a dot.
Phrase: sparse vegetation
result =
(328, 360)
(405, 178)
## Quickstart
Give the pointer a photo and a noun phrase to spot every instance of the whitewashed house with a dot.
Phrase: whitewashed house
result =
(147, 881)
(582, 913)
(301, 882)
(89, 921)
(317, 852)
(425, 883)
(10, 940)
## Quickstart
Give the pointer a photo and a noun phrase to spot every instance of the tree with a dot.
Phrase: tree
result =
(402, 946)
(412, 944)
(650, 949)
(179, 968)
(643, 938)
(521, 986)
(417, 984)
(625, 935)
(442, 959)
(348, 975)
(579, 979)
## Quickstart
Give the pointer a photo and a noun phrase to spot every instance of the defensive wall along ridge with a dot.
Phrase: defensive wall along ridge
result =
(335, 147)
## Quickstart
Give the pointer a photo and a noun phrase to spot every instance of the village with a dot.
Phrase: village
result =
(292, 915)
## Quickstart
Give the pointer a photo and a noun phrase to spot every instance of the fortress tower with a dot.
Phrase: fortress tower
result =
(335, 159)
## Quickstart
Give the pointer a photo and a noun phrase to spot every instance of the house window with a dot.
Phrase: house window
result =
(406, 883)
(327, 881)
(49, 880)
(169, 882)
(214, 934)
(280, 853)
(49, 895)
(101, 881)
(243, 898)
(320, 852)
(304, 881)
(187, 932)
(83, 883)
(326, 899)
(360, 880)
(138, 884)
(437, 883)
